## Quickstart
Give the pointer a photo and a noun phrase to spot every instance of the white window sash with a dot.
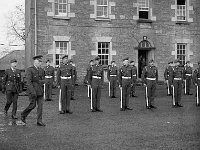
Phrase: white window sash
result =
(181, 12)
(103, 7)
(143, 5)
(60, 11)
(181, 51)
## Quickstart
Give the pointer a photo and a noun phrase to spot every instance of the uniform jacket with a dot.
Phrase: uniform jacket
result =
(35, 81)
(74, 74)
(125, 71)
(149, 72)
(95, 70)
(177, 72)
(196, 75)
(112, 70)
(134, 71)
(65, 70)
(12, 81)
(168, 72)
(49, 71)
(187, 70)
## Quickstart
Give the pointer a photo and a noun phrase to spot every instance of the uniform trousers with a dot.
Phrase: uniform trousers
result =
(188, 84)
(96, 93)
(113, 85)
(48, 88)
(177, 90)
(151, 90)
(126, 87)
(11, 98)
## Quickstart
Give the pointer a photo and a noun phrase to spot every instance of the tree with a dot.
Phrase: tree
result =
(16, 25)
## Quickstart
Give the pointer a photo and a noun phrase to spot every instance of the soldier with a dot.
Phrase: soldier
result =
(11, 84)
(168, 77)
(91, 63)
(125, 81)
(196, 79)
(150, 79)
(49, 79)
(134, 71)
(112, 78)
(35, 79)
(177, 78)
(74, 79)
(64, 82)
(187, 77)
(95, 79)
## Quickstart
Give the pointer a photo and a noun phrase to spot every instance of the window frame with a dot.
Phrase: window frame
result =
(143, 6)
(97, 5)
(104, 54)
(60, 14)
(59, 52)
(181, 52)
(181, 11)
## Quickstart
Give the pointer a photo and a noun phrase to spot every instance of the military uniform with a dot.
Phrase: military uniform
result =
(150, 78)
(49, 79)
(95, 79)
(112, 78)
(188, 79)
(134, 79)
(64, 80)
(196, 79)
(73, 82)
(125, 81)
(177, 78)
(11, 83)
(35, 79)
(87, 79)
(168, 78)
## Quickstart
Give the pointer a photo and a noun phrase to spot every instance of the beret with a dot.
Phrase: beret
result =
(97, 58)
(37, 57)
(13, 60)
(126, 58)
(65, 56)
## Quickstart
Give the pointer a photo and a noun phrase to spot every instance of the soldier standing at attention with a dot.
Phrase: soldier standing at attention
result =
(95, 79)
(11, 84)
(168, 77)
(125, 81)
(150, 79)
(49, 79)
(177, 78)
(134, 78)
(112, 78)
(64, 82)
(196, 79)
(74, 79)
(187, 77)
(35, 80)
(91, 63)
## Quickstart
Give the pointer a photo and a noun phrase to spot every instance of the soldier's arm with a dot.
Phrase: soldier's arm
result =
(120, 77)
(20, 82)
(4, 80)
(108, 74)
(195, 77)
(136, 72)
(102, 74)
(58, 77)
(29, 78)
(156, 74)
(165, 73)
(143, 76)
(53, 73)
(90, 76)
(75, 72)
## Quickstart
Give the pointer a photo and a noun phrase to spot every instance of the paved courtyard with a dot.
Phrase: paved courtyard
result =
(164, 128)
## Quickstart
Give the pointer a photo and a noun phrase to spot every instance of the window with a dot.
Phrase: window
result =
(102, 8)
(143, 9)
(181, 52)
(61, 49)
(103, 52)
(61, 7)
(181, 10)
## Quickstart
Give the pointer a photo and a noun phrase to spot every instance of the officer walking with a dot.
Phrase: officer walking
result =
(95, 79)
(187, 77)
(49, 79)
(74, 79)
(112, 78)
(125, 81)
(177, 78)
(134, 78)
(168, 77)
(150, 79)
(35, 79)
(64, 82)
(11, 85)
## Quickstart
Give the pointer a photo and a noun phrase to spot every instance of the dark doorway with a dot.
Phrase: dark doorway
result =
(142, 61)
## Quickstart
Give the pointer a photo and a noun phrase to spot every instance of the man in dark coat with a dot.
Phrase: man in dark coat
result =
(11, 84)
(35, 80)
(74, 79)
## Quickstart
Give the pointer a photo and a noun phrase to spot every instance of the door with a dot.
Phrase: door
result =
(142, 61)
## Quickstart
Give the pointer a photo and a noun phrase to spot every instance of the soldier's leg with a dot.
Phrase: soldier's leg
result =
(72, 91)
(188, 83)
(9, 96)
(124, 89)
(94, 94)
(50, 90)
(15, 97)
(179, 91)
(128, 88)
(149, 91)
(153, 91)
(131, 91)
(98, 97)
(68, 96)
(63, 97)
(30, 107)
(39, 108)
(46, 91)
(114, 86)
(176, 91)
(134, 85)
(111, 87)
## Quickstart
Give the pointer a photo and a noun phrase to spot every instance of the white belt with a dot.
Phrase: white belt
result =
(48, 76)
(198, 78)
(96, 77)
(126, 77)
(134, 75)
(151, 78)
(65, 77)
(188, 74)
(177, 78)
(113, 75)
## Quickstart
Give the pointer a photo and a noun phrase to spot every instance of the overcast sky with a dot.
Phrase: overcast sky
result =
(5, 7)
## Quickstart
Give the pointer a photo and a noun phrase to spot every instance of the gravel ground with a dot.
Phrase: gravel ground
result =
(164, 128)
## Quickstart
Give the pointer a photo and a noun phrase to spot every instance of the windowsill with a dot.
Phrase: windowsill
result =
(102, 19)
(61, 17)
(182, 22)
(144, 21)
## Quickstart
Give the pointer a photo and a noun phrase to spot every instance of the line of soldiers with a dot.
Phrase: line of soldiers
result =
(40, 81)
(175, 75)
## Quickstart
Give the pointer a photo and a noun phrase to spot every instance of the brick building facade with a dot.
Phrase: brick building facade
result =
(141, 29)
